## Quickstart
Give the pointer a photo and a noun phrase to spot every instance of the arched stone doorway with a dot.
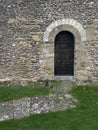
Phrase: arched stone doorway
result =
(64, 54)
(77, 34)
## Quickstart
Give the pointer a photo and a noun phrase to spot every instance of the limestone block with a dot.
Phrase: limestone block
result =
(90, 29)
(47, 69)
(80, 76)
(95, 21)
(48, 50)
(36, 37)
(13, 21)
(22, 19)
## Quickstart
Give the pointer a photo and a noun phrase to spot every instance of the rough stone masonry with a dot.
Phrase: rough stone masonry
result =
(27, 33)
(35, 105)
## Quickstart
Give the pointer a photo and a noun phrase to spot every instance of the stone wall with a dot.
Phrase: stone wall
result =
(89, 61)
(35, 105)
(24, 55)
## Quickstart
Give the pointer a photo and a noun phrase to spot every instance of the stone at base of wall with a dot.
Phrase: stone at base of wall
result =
(69, 78)
(35, 105)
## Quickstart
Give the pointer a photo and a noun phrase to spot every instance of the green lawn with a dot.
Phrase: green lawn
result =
(83, 117)
(39, 88)
(13, 93)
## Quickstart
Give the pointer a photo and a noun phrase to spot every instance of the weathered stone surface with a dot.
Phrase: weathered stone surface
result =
(35, 105)
(62, 102)
(21, 108)
(6, 111)
(40, 105)
(27, 34)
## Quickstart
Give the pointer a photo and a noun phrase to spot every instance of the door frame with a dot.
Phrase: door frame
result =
(47, 61)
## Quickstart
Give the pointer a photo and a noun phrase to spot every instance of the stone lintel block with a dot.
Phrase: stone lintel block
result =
(71, 22)
(66, 21)
(49, 29)
(84, 38)
(46, 35)
(55, 24)
(52, 25)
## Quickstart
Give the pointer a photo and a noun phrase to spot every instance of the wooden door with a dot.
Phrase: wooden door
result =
(64, 54)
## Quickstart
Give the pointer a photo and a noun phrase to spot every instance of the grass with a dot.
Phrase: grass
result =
(83, 117)
(40, 88)
(13, 93)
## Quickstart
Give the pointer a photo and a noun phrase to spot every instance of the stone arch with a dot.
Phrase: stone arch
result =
(64, 24)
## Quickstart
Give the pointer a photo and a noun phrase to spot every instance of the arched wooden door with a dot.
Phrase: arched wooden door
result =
(64, 54)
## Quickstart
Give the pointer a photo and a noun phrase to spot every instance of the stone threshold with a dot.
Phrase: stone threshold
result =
(68, 78)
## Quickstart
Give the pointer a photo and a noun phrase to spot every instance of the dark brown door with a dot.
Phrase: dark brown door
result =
(64, 54)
